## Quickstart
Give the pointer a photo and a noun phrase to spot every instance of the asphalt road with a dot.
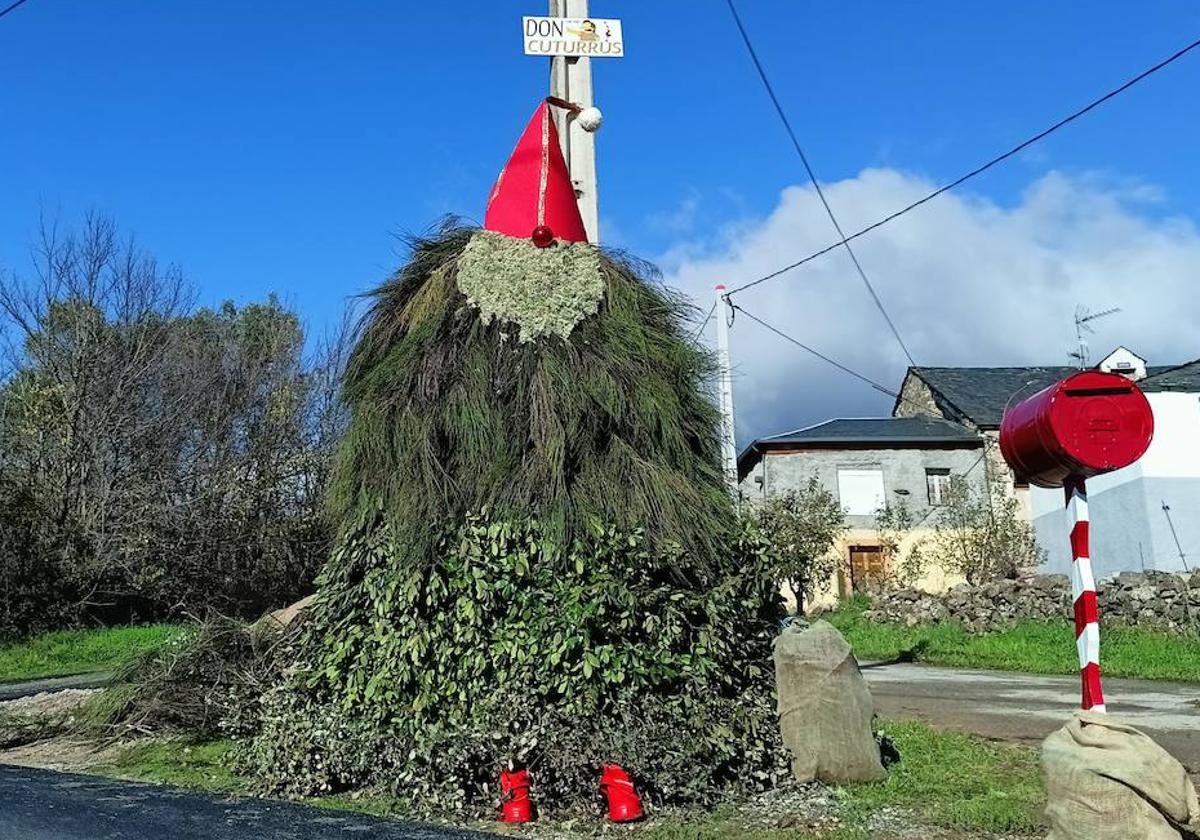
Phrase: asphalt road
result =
(43, 805)
(14, 691)
(1027, 707)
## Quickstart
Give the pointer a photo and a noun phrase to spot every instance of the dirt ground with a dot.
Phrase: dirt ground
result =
(61, 752)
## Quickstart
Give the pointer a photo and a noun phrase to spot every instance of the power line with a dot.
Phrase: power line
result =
(696, 335)
(762, 74)
(979, 169)
(883, 389)
(843, 368)
(13, 6)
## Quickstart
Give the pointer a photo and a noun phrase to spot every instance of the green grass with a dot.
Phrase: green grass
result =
(196, 765)
(948, 780)
(956, 781)
(1039, 647)
(69, 652)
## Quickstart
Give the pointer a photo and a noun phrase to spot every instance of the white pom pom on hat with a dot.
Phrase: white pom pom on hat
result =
(589, 119)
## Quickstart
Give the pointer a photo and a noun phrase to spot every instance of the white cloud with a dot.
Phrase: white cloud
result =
(966, 281)
(680, 220)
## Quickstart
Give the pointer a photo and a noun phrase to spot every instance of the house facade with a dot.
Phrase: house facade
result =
(976, 398)
(868, 464)
(1142, 517)
(1146, 516)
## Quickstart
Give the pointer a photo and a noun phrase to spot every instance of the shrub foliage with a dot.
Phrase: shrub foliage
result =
(427, 681)
(803, 525)
(155, 458)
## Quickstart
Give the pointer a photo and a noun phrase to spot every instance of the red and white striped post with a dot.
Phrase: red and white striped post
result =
(1088, 424)
(1083, 588)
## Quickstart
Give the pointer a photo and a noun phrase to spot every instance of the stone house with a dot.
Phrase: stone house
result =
(867, 463)
(976, 398)
(1142, 516)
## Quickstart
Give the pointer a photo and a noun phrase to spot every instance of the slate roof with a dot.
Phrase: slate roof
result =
(907, 430)
(865, 432)
(979, 395)
(1185, 377)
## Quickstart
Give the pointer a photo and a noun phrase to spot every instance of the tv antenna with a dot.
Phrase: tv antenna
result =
(1083, 319)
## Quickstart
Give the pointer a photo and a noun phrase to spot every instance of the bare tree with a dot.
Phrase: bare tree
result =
(978, 533)
(174, 458)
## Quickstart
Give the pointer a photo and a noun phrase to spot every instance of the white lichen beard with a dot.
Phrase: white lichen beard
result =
(544, 291)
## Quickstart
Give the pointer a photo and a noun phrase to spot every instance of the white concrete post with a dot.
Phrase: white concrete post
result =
(571, 80)
(725, 390)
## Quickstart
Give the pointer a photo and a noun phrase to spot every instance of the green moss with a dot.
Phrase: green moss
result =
(543, 291)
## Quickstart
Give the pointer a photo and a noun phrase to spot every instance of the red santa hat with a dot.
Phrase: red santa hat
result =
(533, 197)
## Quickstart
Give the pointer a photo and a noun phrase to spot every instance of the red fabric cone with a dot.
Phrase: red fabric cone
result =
(534, 188)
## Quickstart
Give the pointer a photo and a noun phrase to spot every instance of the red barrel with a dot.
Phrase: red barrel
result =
(1087, 424)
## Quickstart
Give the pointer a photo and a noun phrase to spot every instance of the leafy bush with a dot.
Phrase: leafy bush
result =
(34, 595)
(509, 648)
(803, 525)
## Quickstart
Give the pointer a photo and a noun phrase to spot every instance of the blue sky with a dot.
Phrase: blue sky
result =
(277, 147)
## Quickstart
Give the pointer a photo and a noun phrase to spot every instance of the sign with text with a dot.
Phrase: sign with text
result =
(581, 37)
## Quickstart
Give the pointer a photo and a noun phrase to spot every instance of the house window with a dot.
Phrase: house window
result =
(937, 482)
(860, 491)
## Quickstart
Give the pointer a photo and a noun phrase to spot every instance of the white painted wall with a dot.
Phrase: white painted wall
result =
(1129, 528)
(1125, 362)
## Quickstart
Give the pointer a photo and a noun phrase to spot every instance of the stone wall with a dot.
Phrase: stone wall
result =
(903, 471)
(1160, 600)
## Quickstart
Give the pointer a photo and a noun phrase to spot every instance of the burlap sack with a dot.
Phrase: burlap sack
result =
(825, 707)
(1106, 780)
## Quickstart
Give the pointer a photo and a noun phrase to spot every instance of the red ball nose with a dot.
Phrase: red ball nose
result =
(542, 236)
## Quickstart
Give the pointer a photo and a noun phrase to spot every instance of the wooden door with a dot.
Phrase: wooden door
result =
(868, 569)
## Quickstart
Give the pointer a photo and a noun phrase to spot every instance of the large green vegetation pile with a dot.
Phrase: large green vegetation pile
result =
(451, 412)
(537, 563)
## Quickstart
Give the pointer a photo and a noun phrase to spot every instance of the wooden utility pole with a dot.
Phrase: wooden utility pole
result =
(571, 79)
